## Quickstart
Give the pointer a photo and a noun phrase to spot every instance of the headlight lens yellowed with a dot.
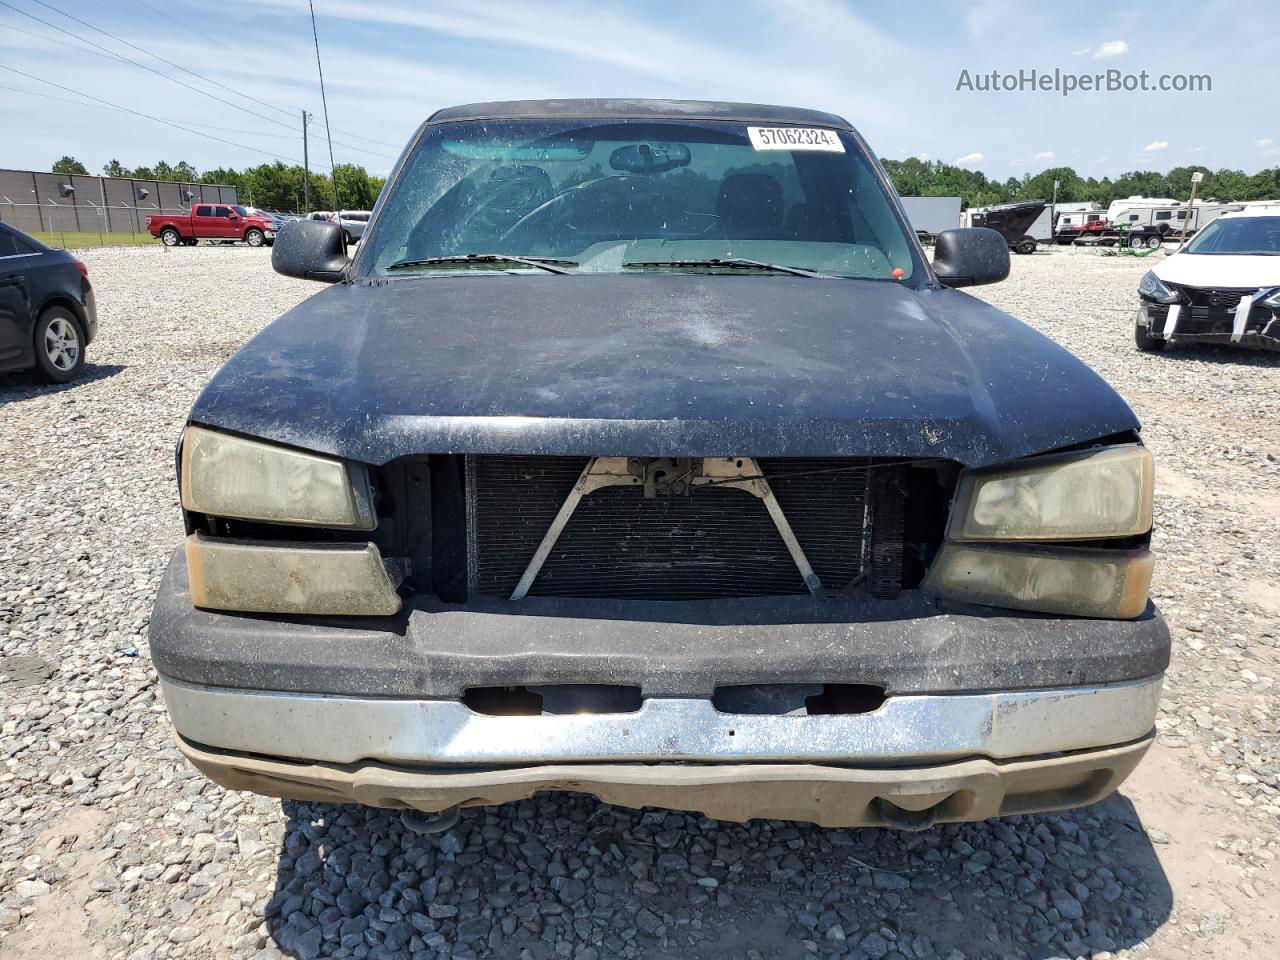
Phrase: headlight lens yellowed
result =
(1068, 580)
(323, 578)
(1084, 495)
(230, 476)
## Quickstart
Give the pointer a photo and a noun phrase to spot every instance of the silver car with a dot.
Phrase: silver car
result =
(352, 222)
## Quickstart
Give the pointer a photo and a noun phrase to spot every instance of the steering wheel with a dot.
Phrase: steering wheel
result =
(557, 214)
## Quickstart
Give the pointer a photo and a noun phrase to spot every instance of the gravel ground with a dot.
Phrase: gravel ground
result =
(112, 848)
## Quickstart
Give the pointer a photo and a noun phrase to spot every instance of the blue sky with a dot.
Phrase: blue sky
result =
(890, 68)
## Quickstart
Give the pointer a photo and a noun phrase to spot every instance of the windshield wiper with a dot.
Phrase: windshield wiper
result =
(735, 262)
(549, 264)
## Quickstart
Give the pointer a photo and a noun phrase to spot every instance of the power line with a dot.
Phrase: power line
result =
(156, 56)
(241, 53)
(139, 113)
(95, 106)
(325, 102)
(143, 66)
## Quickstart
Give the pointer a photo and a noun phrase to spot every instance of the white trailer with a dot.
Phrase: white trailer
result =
(929, 216)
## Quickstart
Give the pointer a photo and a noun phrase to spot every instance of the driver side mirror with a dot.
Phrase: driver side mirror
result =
(970, 256)
(310, 250)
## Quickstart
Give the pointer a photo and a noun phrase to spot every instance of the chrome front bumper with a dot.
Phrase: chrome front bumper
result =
(915, 729)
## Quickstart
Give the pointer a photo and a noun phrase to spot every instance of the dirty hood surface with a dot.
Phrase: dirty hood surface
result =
(657, 364)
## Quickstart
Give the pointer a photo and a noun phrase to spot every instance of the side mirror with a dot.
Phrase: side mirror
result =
(310, 250)
(970, 256)
(235, 217)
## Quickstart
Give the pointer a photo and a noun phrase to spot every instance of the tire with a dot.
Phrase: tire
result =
(1154, 243)
(191, 242)
(1147, 343)
(170, 237)
(1025, 246)
(59, 343)
(254, 237)
(1136, 243)
(347, 238)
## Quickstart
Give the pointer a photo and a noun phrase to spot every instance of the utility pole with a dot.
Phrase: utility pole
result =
(1053, 210)
(306, 166)
(1191, 207)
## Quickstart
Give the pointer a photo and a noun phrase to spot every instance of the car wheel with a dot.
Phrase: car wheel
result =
(1153, 243)
(1136, 242)
(170, 237)
(1147, 343)
(1026, 245)
(59, 345)
(347, 238)
(190, 242)
(254, 238)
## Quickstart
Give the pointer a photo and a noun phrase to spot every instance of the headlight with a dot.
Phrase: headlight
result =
(331, 579)
(1068, 580)
(1084, 495)
(230, 476)
(1153, 288)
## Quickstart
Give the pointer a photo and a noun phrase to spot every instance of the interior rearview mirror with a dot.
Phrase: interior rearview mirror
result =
(649, 157)
(310, 250)
(970, 256)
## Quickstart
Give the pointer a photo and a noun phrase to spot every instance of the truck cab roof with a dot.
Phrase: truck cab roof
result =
(628, 109)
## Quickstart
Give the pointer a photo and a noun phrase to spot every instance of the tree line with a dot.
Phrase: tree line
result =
(271, 186)
(279, 186)
(931, 178)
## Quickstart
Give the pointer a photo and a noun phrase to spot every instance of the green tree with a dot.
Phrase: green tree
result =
(114, 168)
(69, 164)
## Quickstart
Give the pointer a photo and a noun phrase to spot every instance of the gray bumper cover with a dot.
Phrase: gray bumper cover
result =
(432, 651)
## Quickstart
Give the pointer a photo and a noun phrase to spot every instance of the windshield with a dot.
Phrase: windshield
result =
(1239, 236)
(243, 211)
(609, 196)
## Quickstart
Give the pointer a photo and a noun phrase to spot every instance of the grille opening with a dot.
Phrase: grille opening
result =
(711, 542)
(552, 700)
(798, 699)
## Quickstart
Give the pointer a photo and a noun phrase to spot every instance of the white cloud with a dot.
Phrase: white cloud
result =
(1197, 149)
(1112, 48)
(1016, 162)
(1155, 146)
(921, 156)
(969, 158)
(1102, 160)
(1264, 142)
(1081, 52)
(1046, 155)
(1271, 152)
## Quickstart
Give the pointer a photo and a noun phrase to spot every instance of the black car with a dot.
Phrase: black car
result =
(48, 316)
(640, 451)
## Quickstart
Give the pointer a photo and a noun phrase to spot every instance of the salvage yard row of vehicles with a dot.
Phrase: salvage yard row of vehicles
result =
(237, 223)
(1139, 222)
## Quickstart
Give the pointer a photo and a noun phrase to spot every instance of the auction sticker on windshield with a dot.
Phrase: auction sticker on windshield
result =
(795, 138)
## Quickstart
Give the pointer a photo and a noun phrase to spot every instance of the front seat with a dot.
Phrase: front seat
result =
(750, 207)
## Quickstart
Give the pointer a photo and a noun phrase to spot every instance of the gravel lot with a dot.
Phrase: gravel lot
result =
(110, 847)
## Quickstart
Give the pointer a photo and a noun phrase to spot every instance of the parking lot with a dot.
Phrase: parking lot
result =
(111, 847)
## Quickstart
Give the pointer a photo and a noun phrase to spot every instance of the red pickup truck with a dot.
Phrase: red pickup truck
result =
(227, 222)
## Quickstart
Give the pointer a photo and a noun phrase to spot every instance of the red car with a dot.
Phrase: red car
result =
(227, 222)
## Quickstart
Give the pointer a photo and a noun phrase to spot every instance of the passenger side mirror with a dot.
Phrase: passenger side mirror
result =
(970, 256)
(310, 250)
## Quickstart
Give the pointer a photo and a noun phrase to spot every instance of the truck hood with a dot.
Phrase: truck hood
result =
(657, 364)
(1213, 270)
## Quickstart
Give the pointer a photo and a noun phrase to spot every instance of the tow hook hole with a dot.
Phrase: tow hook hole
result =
(798, 699)
(552, 699)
